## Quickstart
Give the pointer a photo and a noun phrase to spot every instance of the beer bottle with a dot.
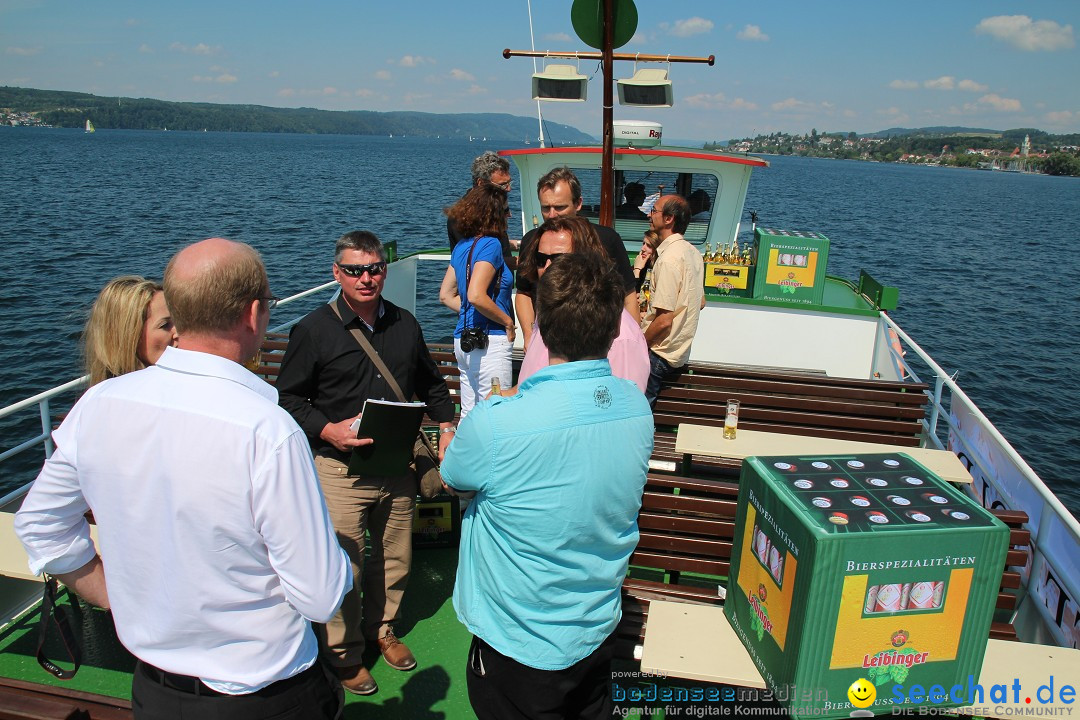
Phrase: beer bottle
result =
(496, 387)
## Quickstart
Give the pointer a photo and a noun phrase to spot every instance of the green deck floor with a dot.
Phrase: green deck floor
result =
(434, 690)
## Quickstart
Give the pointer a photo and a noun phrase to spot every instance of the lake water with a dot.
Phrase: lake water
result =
(987, 264)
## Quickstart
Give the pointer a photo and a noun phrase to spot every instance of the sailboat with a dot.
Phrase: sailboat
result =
(89, 126)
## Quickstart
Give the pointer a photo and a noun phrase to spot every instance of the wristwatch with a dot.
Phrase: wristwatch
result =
(451, 429)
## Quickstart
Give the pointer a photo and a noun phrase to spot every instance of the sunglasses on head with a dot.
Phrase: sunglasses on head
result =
(373, 269)
(543, 258)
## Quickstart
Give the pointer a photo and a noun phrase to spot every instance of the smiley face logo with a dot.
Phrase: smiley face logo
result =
(862, 693)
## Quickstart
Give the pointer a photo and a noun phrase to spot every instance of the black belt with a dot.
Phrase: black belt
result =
(195, 686)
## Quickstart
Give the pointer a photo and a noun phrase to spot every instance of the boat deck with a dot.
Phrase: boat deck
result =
(436, 689)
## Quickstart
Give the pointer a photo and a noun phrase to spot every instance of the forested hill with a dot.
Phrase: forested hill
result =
(72, 109)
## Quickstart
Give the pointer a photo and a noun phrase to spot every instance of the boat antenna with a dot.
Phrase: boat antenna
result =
(532, 43)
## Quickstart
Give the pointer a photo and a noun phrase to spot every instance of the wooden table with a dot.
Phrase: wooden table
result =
(709, 441)
(697, 642)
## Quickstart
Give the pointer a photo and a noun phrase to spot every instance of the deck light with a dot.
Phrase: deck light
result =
(649, 87)
(560, 83)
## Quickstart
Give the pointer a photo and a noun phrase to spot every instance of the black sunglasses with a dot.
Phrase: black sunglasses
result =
(374, 269)
(543, 258)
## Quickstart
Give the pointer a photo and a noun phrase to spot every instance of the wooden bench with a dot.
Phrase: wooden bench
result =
(784, 401)
(687, 528)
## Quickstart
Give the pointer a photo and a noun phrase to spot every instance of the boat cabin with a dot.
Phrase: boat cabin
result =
(840, 335)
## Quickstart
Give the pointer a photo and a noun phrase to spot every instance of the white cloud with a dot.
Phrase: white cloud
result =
(131, 22)
(457, 74)
(945, 82)
(415, 97)
(145, 49)
(414, 61)
(1000, 104)
(383, 75)
(904, 85)
(639, 38)
(971, 86)
(793, 104)
(22, 51)
(364, 92)
(1060, 117)
(558, 37)
(200, 49)
(1026, 34)
(752, 32)
(477, 90)
(895, 116)
(718, 101)
(222, 79)
(688, 27)
(273, 74)
(286, 92)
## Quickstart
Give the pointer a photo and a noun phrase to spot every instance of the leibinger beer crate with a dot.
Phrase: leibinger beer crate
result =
(861, 568)
(790, 266)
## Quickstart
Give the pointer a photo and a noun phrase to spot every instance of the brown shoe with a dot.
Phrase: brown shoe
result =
(395, 652)
(357, 680)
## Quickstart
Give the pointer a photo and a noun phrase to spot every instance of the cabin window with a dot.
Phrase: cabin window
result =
(631, 215)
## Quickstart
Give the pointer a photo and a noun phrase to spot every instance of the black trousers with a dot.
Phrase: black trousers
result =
(503, 689)
(311, 695)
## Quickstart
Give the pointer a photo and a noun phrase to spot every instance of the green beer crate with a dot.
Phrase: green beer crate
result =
(861, 568)
(790, 266)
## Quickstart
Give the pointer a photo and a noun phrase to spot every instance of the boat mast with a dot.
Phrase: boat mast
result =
(607, 167)
(607, 56)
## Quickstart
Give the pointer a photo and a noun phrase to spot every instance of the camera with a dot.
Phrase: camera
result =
(473, 339)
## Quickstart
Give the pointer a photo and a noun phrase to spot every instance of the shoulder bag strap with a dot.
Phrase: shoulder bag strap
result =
(365, 344)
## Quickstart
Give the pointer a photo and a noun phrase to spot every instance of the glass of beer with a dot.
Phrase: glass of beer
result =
(731, 419)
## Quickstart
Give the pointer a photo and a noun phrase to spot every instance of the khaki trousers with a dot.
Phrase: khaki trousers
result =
(383, 506)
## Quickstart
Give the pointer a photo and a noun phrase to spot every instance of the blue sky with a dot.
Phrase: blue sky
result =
(781, 66)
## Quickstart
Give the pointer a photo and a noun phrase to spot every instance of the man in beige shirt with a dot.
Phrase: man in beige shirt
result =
(677, 293)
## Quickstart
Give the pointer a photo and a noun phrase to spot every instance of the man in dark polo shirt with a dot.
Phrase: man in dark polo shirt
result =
(560, 196)
(325, 378)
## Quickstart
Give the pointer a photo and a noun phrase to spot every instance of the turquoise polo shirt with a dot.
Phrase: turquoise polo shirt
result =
(558, 471)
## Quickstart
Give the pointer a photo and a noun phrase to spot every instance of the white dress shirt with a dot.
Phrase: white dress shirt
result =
(213, 531)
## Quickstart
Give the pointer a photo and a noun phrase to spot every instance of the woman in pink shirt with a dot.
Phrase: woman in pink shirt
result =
(629, 356)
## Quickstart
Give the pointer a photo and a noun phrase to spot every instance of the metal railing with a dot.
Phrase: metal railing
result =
(939, 413)
(43, 401)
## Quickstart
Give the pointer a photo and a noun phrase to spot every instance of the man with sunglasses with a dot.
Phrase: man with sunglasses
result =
(486, 168)
(325, 378)
(559, 192)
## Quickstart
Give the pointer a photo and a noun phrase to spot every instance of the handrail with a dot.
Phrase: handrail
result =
(1052, 506)
(41, 400)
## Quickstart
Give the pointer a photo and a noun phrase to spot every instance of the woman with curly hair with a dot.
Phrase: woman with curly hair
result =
(477, 285)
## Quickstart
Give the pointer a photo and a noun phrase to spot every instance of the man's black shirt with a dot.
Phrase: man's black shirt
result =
(326, 376)
(611, 241)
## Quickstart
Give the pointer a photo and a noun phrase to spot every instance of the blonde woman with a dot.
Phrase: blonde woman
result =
(129, 328)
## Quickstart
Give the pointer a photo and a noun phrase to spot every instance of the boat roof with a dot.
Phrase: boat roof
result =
(654, 152)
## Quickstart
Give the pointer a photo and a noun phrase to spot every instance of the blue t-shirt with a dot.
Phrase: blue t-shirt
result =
(558, 471)
(489, 250)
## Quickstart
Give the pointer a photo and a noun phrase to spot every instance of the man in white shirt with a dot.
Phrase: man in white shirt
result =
(216, 551)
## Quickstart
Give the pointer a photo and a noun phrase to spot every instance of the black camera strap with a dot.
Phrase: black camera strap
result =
(468, 278)
(51, 611)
